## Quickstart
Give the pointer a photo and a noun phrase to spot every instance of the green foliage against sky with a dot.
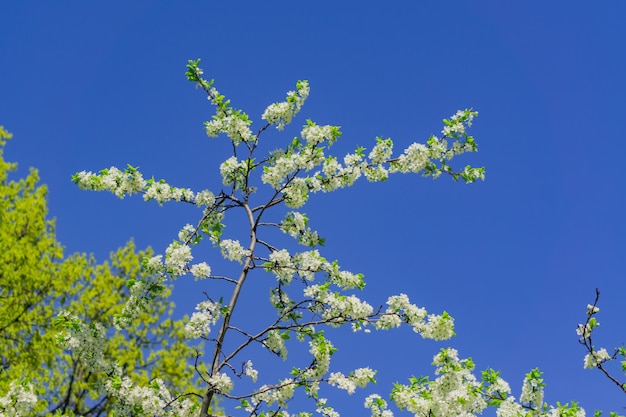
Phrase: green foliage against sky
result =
(37, 281)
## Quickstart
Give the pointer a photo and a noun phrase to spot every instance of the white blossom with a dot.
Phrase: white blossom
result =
(207, 314)
(233, 171)
(284, 268)
(282, 113)
(438, 327)
(250, 372)
(296, 193)
(324, 409)
(221, 383)
(309, 263)
(186, 232)
(378, 406)
(596, 357)
(584, 330)
(232, 250)
(205, 198)
(19, 401)
(154, 264)
(314, 134)
(532, 390)
(381, 151)
(201, 270)
(177, 257)
(276, 343)
(277, 395)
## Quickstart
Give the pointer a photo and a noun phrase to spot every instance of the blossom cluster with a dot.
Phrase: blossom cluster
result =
(275, 342)
(357, 378)
(278, 394)
(338, 309)
(455, 126)
(87, 341)
(207, 314)
(458, 392)
(250, 372)
(119, 182)
(221, 383)
(235, 125)
(378, 406)
(596, 357)
(19, 400)
(314, 134)
(232, 250)
(281, 114)
(322, 350)
(141, 292)
(532, 390)
(130, 181)
(430, 326)
(234, 172)
(306, 264)
(201, 270)
(153, 400)
(324, 409)
(296, 225)
(177, 257)
(451, 394)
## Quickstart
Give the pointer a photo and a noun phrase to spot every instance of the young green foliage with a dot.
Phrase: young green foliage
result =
(37, 280)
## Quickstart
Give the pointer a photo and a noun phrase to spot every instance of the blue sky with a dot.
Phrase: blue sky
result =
(514, 259)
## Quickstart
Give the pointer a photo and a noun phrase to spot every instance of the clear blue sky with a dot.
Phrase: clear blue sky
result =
(514, 259)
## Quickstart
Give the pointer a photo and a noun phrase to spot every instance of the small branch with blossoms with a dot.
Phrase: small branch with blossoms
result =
(599, 358)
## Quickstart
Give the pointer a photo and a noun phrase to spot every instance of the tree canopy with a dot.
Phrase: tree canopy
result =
(37, 281)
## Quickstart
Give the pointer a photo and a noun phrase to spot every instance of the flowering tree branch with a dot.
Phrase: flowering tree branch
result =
(309, 293)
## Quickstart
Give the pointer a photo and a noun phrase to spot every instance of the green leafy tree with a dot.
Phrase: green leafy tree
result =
(36, 281)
